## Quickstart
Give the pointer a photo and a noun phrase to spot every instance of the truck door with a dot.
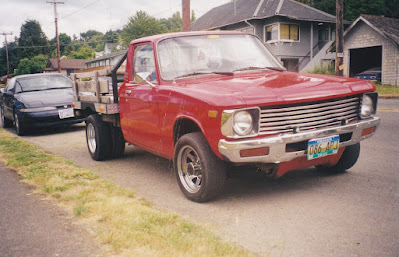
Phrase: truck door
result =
(139, 102)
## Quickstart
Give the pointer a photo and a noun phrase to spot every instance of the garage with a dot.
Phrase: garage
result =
(371, 49)
(362, 59)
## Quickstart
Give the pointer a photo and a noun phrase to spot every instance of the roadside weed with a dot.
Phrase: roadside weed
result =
(122, 222)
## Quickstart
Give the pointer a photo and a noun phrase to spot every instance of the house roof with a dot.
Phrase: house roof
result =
(387, 27)
(107, 56)
(244, 10)
(66, 64)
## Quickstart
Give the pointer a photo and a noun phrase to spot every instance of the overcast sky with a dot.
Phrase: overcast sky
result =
(76, 16)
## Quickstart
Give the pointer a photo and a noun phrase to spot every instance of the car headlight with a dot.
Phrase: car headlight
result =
(240, 123)
(369, 103)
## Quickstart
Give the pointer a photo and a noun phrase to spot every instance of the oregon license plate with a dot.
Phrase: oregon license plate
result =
(322, 147)
(66, 113)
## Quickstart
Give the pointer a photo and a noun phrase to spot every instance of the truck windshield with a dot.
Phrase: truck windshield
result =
(221, 54)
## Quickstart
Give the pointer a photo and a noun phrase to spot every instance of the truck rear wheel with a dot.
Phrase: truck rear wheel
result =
(348, 159)
(200, 174)
(98, 138)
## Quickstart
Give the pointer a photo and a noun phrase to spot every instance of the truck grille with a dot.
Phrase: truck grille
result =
(308, 116)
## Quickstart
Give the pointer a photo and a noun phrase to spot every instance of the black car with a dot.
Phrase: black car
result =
(37, 100)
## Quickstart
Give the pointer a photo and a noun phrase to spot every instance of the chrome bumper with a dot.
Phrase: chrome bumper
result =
(230, 150)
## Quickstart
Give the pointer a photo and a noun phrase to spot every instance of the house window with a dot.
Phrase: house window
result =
(271, 32)
(289, 32)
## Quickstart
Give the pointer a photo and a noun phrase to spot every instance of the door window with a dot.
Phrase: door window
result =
(143, 62)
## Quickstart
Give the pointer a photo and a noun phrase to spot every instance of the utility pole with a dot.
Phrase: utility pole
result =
(56, 32)
(186, 21)
(8, 64)
(339, 47)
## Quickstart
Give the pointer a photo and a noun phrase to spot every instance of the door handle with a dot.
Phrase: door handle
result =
(128, 91)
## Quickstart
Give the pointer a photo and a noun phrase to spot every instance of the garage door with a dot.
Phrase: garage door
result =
(362, 59)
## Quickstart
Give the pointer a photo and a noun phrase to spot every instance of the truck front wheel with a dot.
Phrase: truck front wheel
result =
(347, 160)
(200, 174)
(98, 138)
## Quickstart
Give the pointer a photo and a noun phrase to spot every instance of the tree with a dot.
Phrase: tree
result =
(141, 25)
(13, 58)
(86, 36)
(84, 52)
(173, 23)
(353, 8)
(34, 65)
(112, 36)
(32, 40)
(193, 17)
(65, 48)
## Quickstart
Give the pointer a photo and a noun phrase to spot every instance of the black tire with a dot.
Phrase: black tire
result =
(347, 160)
(118, 142)
(98, 138)
(193, 156)
(20, 128)
(5, 123)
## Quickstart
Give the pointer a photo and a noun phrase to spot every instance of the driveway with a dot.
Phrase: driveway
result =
(304, 213)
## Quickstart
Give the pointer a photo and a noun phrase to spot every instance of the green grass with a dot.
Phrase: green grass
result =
(387, 90)
(328, 69)
(125, 224)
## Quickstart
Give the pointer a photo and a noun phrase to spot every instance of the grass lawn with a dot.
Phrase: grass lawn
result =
(387, 90)
(124, 223)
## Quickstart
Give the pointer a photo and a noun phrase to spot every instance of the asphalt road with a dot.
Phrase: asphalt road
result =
(33, 226)
(304, 213)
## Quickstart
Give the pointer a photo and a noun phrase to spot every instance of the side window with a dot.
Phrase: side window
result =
(271, 32)
(10, 85)
(143, 62)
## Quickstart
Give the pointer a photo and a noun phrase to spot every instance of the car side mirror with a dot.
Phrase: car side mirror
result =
(2, 90)
(144, 75)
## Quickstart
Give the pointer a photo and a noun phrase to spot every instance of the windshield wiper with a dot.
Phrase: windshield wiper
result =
(229, 73)
(260, 68)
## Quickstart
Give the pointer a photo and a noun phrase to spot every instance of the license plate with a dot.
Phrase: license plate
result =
(66, 113)
(322, 147)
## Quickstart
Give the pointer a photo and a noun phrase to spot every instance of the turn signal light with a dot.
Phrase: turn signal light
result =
(368, 131)
(255, 152)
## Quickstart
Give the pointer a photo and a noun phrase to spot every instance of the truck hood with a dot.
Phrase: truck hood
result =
(254, 89)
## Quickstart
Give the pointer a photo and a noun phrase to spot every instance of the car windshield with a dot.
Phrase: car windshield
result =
(45, 82)
(221, 54)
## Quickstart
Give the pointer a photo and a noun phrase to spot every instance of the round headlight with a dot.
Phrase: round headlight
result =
(367, 106)
(242, 123)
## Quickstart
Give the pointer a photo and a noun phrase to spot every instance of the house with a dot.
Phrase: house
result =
(298, 35)
(111, 46)
(107, 60)
(68, 66)
(370, 42)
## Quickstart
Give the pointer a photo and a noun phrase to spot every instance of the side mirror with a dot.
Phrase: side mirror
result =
(2, 90)
(144, 75)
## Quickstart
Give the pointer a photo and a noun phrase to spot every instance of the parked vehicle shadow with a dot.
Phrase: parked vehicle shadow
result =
(45, 131)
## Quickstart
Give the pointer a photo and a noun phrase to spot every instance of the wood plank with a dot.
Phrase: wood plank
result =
(107, 99)
(90, 86)
(104, 72)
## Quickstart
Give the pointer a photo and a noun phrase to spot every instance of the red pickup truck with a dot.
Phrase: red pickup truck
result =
(209, 100)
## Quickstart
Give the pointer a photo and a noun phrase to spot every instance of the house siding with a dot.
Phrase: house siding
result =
(362, 36)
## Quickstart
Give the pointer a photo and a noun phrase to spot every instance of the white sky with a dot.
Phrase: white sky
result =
(76, 16)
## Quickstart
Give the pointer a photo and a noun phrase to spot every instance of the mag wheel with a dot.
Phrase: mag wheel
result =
(98, 138)
(200, 174)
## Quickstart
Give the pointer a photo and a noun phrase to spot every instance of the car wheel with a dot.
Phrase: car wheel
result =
(348, 159)
(118, 142)
(6, 123)
(19, 126)
(200, 174)
(98, 138)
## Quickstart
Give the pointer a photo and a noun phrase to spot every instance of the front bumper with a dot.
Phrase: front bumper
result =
(230, 150)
